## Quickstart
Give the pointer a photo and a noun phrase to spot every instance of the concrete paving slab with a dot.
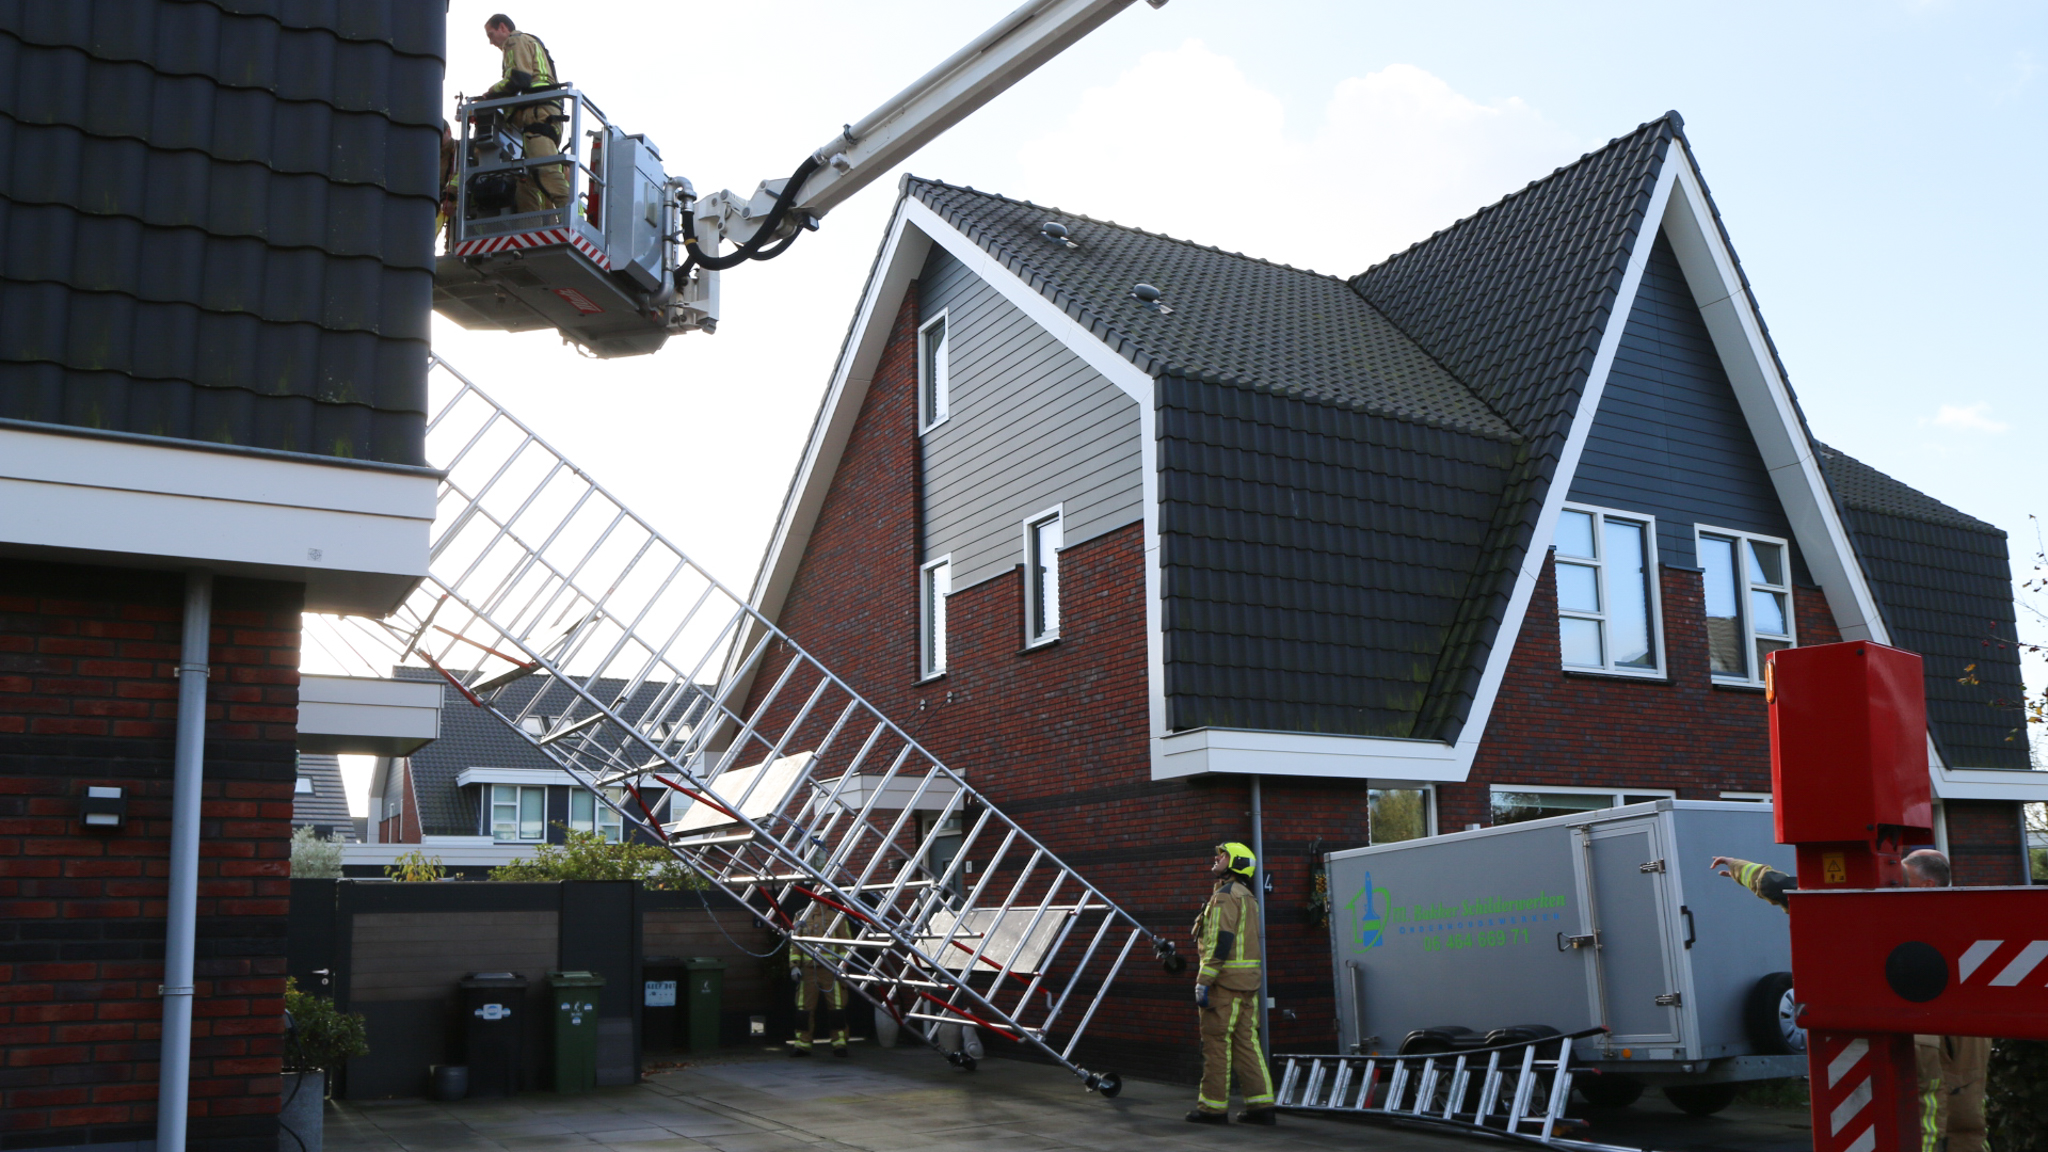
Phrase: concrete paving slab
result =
(906, 1100)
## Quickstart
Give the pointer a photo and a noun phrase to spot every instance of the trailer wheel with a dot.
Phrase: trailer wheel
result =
(1700, 1099)
(1768, 1017)
(1608, 1091)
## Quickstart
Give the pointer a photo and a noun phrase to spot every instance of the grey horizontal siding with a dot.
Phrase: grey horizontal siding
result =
(1030, 425)
(1669, 439)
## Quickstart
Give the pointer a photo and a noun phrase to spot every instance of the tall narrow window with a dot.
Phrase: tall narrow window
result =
(1042, 578)
(934, 583)
(1748, 601)
(932, 373)
(1607, 591)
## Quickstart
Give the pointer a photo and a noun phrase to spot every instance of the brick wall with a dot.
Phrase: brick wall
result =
(1985, 842)
(403, 828)
(88, 697)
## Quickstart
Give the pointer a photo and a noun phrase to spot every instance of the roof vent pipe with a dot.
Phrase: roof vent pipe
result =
(1056, 232)
(1150, 297)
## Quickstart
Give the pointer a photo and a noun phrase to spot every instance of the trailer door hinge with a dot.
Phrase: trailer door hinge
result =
(1670, 1000)
(1651, 866)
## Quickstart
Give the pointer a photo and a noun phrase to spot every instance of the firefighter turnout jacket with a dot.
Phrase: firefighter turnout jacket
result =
(1227, 935)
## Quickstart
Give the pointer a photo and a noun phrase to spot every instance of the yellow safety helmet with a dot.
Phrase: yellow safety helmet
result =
(1239, 858)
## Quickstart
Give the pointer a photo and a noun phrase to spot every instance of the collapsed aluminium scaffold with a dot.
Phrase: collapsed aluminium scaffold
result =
(570, 619)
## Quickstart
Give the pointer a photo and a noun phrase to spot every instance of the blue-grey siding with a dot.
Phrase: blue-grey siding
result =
(1030, 425)
(1669, 439)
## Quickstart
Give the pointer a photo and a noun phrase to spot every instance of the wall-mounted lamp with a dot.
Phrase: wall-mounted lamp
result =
(104, 807)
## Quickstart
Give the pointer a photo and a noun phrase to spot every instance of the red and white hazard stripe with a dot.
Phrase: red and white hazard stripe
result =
(1850, 1103)
(540, 238)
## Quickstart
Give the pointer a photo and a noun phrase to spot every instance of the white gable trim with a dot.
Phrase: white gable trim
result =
(1766, 402)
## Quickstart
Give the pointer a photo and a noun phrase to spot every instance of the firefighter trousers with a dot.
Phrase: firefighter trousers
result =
(819, 988)
(545, 186)
(1230, 1042)
(1951, 1070)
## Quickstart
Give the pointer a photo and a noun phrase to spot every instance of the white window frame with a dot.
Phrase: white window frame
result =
(1617, 795)
(1037, 632)
(518, 792)
(1745, 587)
(934, 585)
(1748, 797)
(603, 819)
(1654, 609)
(934, 375)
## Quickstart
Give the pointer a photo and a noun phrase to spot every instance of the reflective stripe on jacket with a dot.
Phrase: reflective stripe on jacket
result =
(1227, 936)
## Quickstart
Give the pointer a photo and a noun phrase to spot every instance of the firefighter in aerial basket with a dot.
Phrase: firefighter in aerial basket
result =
(817, 985)
(1226, 936)
(527, 66)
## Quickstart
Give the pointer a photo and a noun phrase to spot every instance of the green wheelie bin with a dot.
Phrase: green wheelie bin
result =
(572, 999)
(705, 981)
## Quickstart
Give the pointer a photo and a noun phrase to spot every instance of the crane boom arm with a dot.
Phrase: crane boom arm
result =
(867, 150)
(1007, 52)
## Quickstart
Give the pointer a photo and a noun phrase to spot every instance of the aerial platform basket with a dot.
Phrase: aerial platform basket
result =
(570, 619)
(598, 267)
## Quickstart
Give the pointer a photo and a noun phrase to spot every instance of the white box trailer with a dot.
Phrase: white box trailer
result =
(1609, 918)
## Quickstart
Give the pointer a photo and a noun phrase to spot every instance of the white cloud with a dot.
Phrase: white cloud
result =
(1184, 143)
(1973, 418)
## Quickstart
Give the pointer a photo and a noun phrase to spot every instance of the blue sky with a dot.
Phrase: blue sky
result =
(1880, 167)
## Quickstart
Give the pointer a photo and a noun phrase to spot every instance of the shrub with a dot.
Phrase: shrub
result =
(314, 858)
(587, 857)
(322, 1035)
(416, 867)
(2016, 1096)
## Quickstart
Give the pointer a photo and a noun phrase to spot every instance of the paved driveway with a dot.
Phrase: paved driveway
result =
(907, 1099)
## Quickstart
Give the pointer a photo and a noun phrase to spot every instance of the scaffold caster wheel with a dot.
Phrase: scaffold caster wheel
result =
(1107, 1083)
(960, 1060)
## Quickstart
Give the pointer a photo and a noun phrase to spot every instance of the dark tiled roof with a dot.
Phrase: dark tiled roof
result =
(473, 738)
(1234, 320)
(1515, 299)
(327, 803)
(1943, 583)
(218, 220)
(1348, 478)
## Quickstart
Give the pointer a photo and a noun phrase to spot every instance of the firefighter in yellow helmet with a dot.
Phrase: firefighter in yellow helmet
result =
(1226, 936)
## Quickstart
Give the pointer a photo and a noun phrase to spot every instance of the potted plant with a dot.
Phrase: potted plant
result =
(318, 1036)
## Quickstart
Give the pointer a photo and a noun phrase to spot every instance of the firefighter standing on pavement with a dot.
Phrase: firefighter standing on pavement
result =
(528, 66)
(1226, 936)
(817, 985)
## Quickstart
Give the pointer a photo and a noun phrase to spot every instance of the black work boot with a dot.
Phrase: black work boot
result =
(1265, 1116)
(1203, 1116)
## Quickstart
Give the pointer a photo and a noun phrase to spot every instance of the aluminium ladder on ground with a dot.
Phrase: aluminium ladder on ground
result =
(1506, 1091)
(571, 620)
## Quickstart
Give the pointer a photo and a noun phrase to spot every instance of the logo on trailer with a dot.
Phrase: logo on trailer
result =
(1368, 921)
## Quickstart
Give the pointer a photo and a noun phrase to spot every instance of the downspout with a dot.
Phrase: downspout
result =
(1259, 890)
(181, 912)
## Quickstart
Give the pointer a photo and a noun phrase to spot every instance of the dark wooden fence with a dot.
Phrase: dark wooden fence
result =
(395, 953)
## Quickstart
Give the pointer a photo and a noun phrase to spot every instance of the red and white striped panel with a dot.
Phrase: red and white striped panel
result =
(540, 238)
